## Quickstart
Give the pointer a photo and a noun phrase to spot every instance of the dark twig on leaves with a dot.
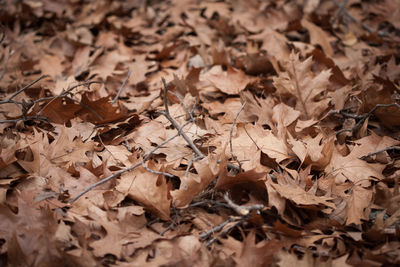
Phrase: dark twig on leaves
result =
(122, 87)
(218, 227)
(225, 231)
(10, 99)
(176, 125)
(362, 117)
(342, 9)
(119, 173)
(105, 180)
(62, 94)
(243, 210)
(209, 202)
(380, 151)
(24, 119)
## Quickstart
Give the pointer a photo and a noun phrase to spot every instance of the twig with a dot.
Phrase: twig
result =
(9, 100)
(251, 138)
(42, 118)
(117, 174)
(363, 25)
(122, 87)
(242, 210)
(217, 228)
(340, 10)
(190, 113)
(363, 117)
(231, 132)
(156, 172)
(62, 94)
(209, 201)
(380, 151)
(176, 125)
(224, 232)
(85, 106)
(3, 32)
(6, 63)
(169, 227)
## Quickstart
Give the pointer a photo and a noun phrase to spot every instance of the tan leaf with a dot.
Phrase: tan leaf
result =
(230, 82)
(299, 81)
(149, 189)
(318, 36)
(358, 204)
(353, 169)
(193, 184)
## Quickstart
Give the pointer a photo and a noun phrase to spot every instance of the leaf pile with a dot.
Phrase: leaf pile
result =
(291, 115)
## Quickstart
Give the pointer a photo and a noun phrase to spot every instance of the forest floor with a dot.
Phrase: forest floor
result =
(200, 133)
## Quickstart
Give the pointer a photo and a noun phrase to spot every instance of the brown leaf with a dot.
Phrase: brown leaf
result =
(299, 81)
(257, 254)
(149, 189)
(230, 82)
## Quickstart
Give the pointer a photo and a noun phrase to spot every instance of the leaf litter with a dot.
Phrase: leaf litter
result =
(221, 133)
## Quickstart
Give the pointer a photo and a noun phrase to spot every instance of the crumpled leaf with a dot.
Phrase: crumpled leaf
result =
(300, 82)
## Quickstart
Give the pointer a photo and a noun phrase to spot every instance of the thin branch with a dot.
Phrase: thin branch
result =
(183, 104)
(380, 151)
(117, 174)
(363, 25)
(176, 125)
(122, 87)
(224, 232)
(339, 11)
(242, 210)
(251, 138)
(209, 202)
(41, 118)
(62, 94)
(217, 228)
(362, 117)
(9, 100)
(156, 172)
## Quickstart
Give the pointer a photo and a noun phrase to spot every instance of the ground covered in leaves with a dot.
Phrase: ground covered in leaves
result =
(199, 133)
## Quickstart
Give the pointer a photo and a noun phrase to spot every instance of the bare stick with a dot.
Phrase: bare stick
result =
(251, 138)
(41, 118)
(62, 94)
(363, 25)
(122, 87)
(242, 210)
(156, 172)
(117, 174)
(224, 232)
(340, 10)
(231, 132)
(363, 117)
(217, 228)
(9, 100)
(183, 104)
(176, 125)
(380, 151)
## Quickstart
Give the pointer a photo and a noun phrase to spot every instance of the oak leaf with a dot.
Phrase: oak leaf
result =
(299, 81)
